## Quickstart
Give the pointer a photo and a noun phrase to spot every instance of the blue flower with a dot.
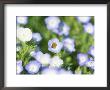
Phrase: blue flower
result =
(69, 45)
(89, 28)
(22, 20)
(54, 45)
(83, 19)
(90, 63)
(37, 37)
(52, 22)
(91, 51)
(33, 67)
(19, 67)
(82, 59)
(62, 29)
(49, 71)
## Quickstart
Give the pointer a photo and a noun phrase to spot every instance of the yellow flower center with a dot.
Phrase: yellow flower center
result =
(54, 45)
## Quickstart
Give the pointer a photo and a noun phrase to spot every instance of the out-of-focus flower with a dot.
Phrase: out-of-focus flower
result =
(69, 45)
(24, 34)
(56, 62)
(82, 59)
(63, 71)
(19, 67)
(17, 26)
(90, 64)
(89, 28)
(54, 45)
(44, 59)
(62, 29)
(49, 71)
(37, 37)
(84, 19)
(22, 20)
(52, 22)
(33, 67)
(91, 50)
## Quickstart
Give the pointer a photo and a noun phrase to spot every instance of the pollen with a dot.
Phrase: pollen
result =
(54, 45)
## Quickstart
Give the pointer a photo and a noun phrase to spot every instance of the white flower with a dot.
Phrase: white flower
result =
(22, 20)
(56, 62)
(24, 34)
(52, 22)
(49, 71)
(82, 59)
(89, 28)
(19, 67)
(84, 19)
(37, 37)
(69, 45)
(44, 59)
(54, 45)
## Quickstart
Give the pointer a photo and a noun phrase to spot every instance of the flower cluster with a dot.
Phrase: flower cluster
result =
(88, 27)
(55, 45)
(57, 26)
